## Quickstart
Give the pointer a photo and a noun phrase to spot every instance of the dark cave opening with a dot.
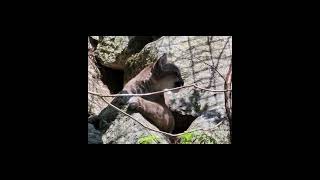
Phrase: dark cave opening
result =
(112, 78)
(182, 122)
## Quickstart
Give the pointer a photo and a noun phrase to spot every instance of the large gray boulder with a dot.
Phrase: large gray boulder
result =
(111, 51)
(114, 51)
(208, 121)
(118, 128)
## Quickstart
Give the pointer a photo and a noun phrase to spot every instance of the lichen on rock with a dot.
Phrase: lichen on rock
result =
(109, 51)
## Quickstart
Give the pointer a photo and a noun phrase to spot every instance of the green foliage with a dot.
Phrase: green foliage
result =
(197, 138)
(186, 138)
(148, 139)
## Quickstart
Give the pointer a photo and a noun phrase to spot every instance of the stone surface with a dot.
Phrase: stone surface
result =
(208, 120)
(94, 136)
(95, 84)
(111, 51)
(118, 128)
(114, 51)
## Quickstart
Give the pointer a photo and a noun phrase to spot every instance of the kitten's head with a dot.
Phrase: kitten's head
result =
(165, 75)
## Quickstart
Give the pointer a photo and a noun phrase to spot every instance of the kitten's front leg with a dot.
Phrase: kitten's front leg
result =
(158, 114)
(134, 103)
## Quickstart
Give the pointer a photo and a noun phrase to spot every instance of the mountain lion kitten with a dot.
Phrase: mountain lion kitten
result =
(155, 77)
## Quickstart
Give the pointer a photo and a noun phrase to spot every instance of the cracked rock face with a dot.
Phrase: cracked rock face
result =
(114, 51)
(95, 84)
(208, 120)
(110, 51)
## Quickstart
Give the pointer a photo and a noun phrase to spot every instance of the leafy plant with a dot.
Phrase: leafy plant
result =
(186, 138)
(148, 139)
(201, 138)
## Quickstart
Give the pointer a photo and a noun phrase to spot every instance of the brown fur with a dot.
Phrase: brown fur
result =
(155, 77)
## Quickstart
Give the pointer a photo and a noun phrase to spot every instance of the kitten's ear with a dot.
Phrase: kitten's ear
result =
(157, 67)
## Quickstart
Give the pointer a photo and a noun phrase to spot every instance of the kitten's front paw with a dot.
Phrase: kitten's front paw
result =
(133, 103)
